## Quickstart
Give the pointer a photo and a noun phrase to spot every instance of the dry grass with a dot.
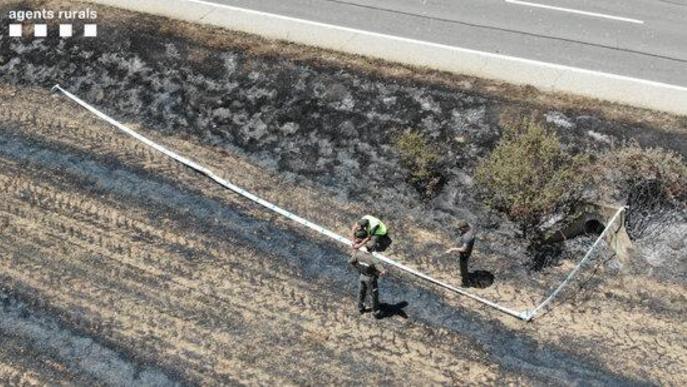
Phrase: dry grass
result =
(111, 255)
(294, 324)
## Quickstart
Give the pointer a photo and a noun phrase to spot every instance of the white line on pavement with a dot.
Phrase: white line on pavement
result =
(577, 11)
(445, 46)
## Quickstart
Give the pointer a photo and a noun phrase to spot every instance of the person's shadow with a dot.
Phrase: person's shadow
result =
(391, 310)
(480, 279)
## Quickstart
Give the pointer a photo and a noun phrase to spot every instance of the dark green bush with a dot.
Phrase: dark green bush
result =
(422, 162)
(530, 178)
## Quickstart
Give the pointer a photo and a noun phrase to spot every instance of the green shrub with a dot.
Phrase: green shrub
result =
(422, 163)
(529, 177)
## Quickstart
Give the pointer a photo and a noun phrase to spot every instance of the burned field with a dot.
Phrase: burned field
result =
(155, 275)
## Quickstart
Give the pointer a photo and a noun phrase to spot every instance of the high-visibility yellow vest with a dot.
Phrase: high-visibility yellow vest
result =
(372, 222)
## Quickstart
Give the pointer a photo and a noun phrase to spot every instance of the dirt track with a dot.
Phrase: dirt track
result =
(175, 279)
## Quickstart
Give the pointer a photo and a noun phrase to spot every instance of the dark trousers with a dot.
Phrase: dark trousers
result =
(464, 273)
(368, 283)
(378, 243)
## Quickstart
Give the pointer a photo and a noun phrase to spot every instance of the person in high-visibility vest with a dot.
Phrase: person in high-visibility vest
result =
(371, 233)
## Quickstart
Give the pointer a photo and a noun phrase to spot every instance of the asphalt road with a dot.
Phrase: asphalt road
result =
(644, 39)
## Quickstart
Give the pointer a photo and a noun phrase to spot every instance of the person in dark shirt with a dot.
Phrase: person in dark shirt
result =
(466, 241)
(370, 270)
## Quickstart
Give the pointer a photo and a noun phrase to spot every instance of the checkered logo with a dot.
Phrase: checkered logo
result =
(64, 30)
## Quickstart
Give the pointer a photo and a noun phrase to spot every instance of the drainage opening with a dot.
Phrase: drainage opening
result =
(593, 226)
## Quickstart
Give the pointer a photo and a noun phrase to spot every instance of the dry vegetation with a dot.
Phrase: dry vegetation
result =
(422, 162)
(530, 178)
(166, 268)
(103, 239)
(155, 262)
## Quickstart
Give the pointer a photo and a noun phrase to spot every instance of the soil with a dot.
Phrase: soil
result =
(164, 273)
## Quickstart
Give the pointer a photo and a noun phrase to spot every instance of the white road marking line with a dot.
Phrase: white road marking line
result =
(577, 11)
(446, 46)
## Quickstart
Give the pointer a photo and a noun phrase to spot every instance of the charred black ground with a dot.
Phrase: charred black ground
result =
(337, 128)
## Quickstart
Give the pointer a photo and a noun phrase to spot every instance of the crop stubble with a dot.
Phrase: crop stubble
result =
(206, 305)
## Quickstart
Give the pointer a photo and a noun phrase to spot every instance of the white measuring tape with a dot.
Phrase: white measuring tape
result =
(524, 315)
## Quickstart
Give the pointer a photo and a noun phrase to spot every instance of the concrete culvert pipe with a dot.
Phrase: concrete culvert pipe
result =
(593, 226)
